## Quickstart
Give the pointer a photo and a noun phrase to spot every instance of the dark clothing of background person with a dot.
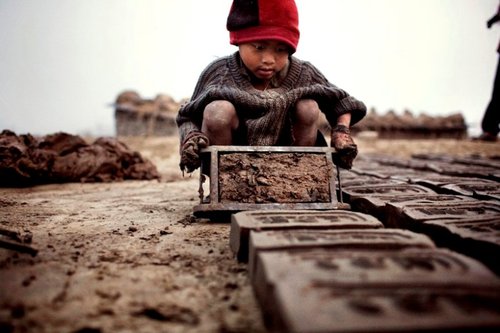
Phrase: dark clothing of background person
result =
(491, 118)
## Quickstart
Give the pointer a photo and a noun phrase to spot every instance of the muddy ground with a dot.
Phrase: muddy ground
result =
(286, 177)
(130, 257)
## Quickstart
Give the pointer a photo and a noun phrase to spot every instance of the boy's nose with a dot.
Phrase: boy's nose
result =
(268, 58)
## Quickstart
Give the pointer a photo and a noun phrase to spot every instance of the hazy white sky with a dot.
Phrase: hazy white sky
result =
(63, 61)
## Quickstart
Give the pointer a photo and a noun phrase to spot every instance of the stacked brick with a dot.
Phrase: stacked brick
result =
(416, 253)
(462, 212)
(409, 126)
(137, 116)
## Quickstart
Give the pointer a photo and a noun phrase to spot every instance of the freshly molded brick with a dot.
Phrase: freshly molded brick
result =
(345, 269)
(450, 211)
(390, 189)
(368, 239)
(376, 204)
(476, 237)
(481, 189)
(309, 306)
(243, 222)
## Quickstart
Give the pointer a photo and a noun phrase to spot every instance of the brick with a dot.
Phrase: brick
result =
(371, 204)
(243, 222)
(409, 268)
(387, 172)
(476, 237)
(390, 167)
(434, 182)
(403, 215)
(393, 211)
(467, 160)
(394, 164)
(407, 175)
(390, 189)
(309, 306)
(460, 170)
(362, 170)
(449, 167)
(376, 205)
(481, 189)
(367, 181)
(477, 160)
(368, 239)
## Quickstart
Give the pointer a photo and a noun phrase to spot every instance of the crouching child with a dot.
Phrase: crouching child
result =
(262, 95)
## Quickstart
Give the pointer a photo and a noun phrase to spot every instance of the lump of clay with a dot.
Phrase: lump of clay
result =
(61, 157)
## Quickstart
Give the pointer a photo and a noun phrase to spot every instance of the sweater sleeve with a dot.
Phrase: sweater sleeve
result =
(332, 100)
(190, 115)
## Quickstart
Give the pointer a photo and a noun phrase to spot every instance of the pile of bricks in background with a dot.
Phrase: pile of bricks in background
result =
(138, 116)
(409, 126)
(419, 251)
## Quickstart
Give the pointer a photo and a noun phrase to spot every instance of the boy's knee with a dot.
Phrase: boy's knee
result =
(220, 114)
(307, 112)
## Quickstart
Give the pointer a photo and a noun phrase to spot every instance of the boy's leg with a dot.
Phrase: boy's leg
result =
(219, 122)
(305, 122)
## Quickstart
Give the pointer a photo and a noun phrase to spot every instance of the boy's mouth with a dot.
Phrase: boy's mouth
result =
(264, 73)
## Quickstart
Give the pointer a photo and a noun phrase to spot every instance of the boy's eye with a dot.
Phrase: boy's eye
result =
(282, 50)
(258, 47)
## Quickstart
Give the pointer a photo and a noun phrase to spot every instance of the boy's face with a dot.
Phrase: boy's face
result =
(264, 58)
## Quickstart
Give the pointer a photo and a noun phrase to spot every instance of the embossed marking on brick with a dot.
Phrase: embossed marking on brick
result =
(243, 222)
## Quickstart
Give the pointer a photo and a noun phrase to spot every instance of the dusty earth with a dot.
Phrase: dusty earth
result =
(129, 256)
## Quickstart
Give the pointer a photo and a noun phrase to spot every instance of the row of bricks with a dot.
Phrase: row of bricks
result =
(462, 214)
(338, 271)
(477, 167)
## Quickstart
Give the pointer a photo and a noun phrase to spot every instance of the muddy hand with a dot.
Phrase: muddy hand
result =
(343, 143)
(190, 151)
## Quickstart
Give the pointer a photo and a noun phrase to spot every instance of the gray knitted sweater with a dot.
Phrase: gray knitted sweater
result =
(265, 114)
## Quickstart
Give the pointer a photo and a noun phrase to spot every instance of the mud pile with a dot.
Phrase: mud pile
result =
(61, 158)
(270, 178)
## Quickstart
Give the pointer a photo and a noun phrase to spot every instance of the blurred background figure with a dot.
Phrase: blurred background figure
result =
(491, 118)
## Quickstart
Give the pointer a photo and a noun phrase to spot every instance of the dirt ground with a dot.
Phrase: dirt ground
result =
(130, 257)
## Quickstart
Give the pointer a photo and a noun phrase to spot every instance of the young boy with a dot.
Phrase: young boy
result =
(262, 95)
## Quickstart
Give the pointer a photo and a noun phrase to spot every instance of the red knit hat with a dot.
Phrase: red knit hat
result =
(253, 20)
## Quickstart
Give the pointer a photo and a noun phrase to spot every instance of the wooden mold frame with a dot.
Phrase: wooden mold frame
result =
(211, 206)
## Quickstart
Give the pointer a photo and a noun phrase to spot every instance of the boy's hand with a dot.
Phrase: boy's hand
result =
(190, 151)
(344, 145)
